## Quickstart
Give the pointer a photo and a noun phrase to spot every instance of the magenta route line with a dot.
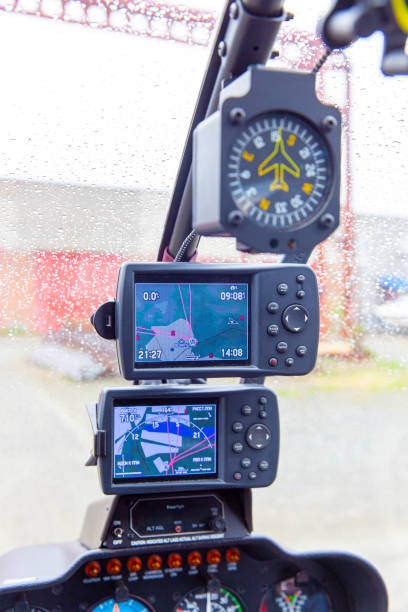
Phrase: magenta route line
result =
(168, 438)
(183, 454)
(185, 314)
(198, 450)
(189, 290)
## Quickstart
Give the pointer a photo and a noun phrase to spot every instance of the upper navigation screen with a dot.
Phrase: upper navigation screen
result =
(186, 322)
(164, 441)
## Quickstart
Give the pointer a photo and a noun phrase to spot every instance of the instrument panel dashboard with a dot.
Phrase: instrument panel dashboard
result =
(250, 575)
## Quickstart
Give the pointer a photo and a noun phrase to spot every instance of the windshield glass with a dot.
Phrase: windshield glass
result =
(96, 105)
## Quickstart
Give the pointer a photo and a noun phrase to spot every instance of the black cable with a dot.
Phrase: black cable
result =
(322, 60)
(185, 244)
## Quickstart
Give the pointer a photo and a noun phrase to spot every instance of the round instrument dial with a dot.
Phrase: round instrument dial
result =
(201, 600)
(286, 596)
(133, 604)
(280, 171)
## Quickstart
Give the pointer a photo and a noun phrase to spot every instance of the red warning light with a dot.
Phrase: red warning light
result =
(211, 354)
(194, 559)
(92, 569)
(137, 337)
(173, 333)
(241, 317)
(114, 567)
(134, 564)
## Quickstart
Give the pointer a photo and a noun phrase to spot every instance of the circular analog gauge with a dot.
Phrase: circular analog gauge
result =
(288, 597)
(201, 600)
(280, 171)
(131, 605)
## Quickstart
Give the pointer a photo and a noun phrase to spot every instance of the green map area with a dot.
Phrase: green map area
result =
(191, 321)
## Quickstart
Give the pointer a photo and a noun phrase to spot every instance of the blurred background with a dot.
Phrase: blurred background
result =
(96, 102)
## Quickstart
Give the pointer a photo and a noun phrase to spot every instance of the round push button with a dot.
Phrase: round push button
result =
(300, 278)
(237, 447)
(294, 318)
(282, 288)
(263, 465)
(258, 436)
(252, 475)
(263, 400)
(289, 361)
(237, 427)
(263, 414)
(273, 330)
(300, 294)
(246, 410)
(272, 307)
(246, 462)
(281, 347)
(301, 351)
(273, 362)
(237, 476)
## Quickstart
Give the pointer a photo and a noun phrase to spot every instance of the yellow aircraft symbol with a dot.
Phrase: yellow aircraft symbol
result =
(279, 168)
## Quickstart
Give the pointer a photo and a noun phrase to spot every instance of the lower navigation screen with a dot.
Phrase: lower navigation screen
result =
(186, 322)
(165, 441)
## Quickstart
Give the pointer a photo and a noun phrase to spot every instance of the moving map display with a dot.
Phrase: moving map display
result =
(184, 322)
(165, 441)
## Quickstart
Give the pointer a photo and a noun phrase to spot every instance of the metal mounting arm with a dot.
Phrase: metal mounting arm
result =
(246, 34)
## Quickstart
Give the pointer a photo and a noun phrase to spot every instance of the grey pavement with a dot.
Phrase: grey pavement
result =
(342, 482)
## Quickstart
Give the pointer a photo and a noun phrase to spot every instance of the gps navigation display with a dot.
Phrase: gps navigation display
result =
(185, 322)
(165, 441)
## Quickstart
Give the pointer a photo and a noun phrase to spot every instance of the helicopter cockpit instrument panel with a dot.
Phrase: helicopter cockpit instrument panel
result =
(181, 455)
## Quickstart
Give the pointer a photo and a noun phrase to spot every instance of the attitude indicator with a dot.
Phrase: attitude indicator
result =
(131, 605)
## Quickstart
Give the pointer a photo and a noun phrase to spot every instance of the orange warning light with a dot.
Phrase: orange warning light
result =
(233, 555)
(194, 559)
(92, 569)
(114, 567)
(174, 561)
(134, 565)
(154, 562)
(214, 557)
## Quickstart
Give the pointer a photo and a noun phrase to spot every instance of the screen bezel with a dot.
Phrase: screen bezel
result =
(191, 278)
(177, 478)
